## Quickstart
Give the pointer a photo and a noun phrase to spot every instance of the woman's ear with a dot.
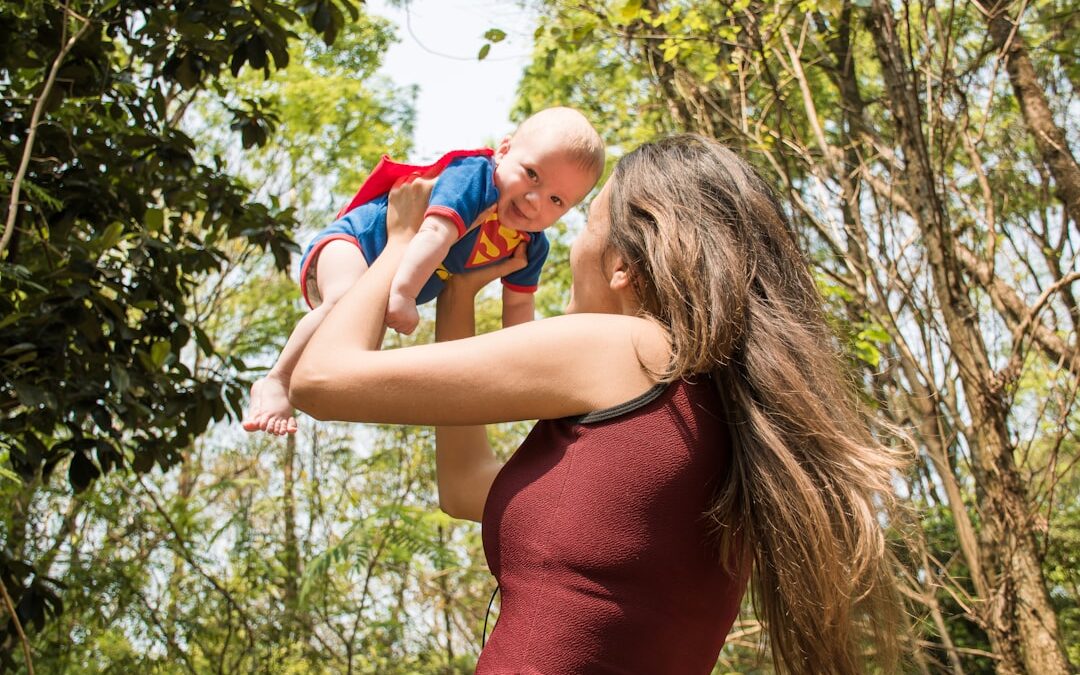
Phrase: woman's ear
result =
(620, 276)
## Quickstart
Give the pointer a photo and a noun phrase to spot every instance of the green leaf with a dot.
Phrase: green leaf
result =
(494, 35)
(18, 348)
(320, 19)
(483, 52)
(204, 341)
(712, 71)
(29, 395)
(159, 352)
(9, 475)
(155, 220)
(866, 351)
(10, 319)
(626, 11)
(875, 333)
(108, 237)
(120, 378)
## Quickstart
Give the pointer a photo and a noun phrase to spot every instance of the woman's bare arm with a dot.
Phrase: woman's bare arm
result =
(465, 465)
(543, 369)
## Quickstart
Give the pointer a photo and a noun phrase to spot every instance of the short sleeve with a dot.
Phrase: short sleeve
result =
(464, 190)
(527, 279)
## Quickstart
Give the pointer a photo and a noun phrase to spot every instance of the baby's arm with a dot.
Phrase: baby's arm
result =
(423, 255)
(517, 307)
(519, 287)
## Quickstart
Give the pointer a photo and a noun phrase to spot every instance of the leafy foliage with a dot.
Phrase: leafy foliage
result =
(799, 89)
(181, 144)
(115, 221)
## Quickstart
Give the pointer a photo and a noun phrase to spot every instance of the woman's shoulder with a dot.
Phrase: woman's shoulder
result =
(624, 350)
(643, 334)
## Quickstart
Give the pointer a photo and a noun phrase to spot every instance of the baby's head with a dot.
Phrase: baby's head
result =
(549, 164)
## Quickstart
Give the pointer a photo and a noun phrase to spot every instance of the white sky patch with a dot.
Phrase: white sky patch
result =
(462, 102)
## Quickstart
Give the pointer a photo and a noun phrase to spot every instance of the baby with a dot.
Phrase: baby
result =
(484, 204)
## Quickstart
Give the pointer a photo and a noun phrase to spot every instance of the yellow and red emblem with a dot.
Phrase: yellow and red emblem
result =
(494, 242)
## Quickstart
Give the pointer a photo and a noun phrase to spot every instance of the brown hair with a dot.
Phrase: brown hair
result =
(714, 260)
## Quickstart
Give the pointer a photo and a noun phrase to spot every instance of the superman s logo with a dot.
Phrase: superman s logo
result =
(494, 242)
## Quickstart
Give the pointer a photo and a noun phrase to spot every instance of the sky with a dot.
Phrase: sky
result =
(462, 102)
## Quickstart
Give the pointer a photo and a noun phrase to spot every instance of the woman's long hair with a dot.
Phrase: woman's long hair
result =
(713, 259)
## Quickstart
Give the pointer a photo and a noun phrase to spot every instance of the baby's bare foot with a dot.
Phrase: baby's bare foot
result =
(401, 314)
(270, 410)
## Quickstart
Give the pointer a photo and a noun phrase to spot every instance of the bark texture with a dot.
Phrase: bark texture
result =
(1048, 136)
(1016, 614)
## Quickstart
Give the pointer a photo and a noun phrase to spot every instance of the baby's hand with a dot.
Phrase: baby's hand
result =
(401, 314)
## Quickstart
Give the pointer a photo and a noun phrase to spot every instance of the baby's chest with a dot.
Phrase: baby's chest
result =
(483, 244)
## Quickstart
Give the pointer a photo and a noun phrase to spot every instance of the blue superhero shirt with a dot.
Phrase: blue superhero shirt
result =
(463, 191)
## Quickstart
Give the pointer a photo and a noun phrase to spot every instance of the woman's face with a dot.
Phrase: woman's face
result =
(592, 264)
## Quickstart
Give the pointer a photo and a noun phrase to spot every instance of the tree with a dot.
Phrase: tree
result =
(110, 221)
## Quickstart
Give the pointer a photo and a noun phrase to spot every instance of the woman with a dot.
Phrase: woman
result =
(696, 430)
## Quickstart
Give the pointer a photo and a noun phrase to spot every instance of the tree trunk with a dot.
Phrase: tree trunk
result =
(665, 77)
(1049, 137)
(922, 400)
(185, 482)
(292, 551)
(1017, 614)
(929, 424)
(447, 601)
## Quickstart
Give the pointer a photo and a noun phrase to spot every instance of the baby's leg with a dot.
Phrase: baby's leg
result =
(339, 264)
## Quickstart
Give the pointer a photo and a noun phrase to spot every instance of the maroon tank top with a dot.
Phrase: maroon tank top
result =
(595, 532)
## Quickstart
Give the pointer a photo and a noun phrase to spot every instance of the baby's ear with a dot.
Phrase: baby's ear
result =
(503, 147)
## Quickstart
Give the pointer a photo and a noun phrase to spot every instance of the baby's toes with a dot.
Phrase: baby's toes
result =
(263, 421)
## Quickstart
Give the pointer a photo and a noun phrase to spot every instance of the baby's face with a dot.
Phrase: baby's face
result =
(537, 182)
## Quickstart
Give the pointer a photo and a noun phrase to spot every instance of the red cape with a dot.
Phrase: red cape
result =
(387, 172)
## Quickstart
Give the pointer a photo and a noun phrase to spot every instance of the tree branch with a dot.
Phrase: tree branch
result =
(18, 628)
(35, 119)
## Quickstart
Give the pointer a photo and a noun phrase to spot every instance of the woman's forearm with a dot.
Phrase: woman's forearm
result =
(455, 314)
(465, 464)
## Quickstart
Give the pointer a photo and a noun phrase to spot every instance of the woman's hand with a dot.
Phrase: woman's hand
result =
(468, 284)
(408, 201)
(455, 311)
